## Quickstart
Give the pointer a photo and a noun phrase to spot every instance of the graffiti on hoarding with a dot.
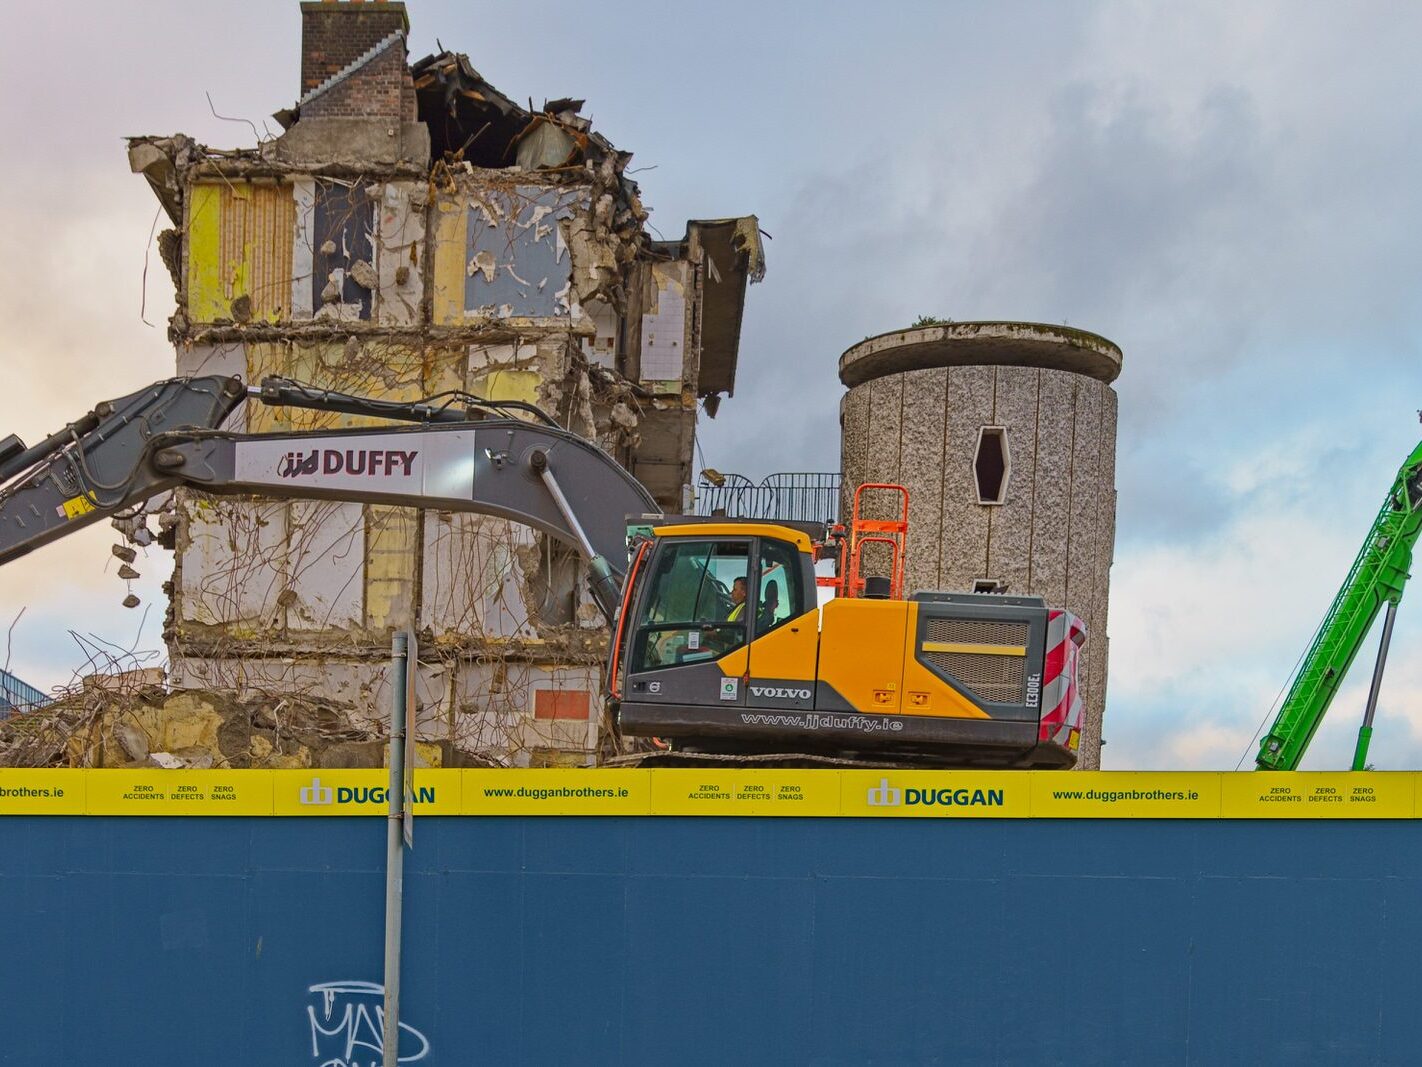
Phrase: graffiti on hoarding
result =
(348, 1026)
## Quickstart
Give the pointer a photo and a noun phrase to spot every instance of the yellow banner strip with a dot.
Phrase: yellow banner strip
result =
(721, 791)
(976, 650)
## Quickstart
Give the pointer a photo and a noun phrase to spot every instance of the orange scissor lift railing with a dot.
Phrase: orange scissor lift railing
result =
(890, 532)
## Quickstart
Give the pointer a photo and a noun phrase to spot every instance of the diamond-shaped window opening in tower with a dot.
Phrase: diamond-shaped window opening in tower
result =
(992, 465)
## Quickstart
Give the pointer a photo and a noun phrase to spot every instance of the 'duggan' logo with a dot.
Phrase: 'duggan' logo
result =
(885, 795)
(319, 795)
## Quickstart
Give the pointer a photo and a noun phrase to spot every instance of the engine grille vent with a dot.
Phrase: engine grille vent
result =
(998, 679)
(979, 631)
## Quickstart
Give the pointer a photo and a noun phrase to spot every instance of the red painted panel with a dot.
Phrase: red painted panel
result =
(562, 704)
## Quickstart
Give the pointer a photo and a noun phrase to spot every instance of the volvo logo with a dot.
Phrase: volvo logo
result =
(779, 692)
(384, 462)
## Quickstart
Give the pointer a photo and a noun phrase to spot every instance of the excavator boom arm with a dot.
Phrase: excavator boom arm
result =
(167, 435)
(97, 465)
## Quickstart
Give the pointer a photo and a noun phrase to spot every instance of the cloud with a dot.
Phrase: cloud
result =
(1215, 215)
(72, 584)
(1207, 631)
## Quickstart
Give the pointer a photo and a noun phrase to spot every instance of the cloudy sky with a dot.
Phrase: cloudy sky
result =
(1232, 192)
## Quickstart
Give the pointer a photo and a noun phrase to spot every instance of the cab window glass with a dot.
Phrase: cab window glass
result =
(780, 593)
(697, 606)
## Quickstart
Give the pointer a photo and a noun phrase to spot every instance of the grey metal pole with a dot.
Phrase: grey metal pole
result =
(1381, 663)
(395, 848)
(1365, 732)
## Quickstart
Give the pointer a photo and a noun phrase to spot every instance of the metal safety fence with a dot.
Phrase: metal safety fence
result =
(16, 695)
(794, 496)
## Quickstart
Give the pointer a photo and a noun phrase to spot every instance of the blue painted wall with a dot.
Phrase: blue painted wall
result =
(658, 940)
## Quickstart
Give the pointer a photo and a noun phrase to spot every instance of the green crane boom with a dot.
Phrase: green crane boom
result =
(1377, 578)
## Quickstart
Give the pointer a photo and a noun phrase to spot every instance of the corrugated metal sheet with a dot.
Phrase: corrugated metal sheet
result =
(265, 217)
(240, 244)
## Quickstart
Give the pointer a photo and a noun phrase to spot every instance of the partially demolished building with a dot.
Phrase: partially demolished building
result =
(415, 232)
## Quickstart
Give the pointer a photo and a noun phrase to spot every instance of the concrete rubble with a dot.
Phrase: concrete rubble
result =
(142, 725)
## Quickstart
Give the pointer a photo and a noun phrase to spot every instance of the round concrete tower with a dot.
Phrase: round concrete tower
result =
(1004, 434)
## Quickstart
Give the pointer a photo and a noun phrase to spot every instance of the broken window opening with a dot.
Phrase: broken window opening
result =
(992, 465)
(989, 585)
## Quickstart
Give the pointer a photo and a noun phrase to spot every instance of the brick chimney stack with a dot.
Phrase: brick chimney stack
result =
(353, 60)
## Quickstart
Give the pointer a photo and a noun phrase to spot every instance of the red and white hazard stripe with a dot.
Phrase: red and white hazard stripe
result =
(1062, 707)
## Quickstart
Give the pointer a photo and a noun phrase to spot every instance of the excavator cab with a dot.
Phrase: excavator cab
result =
(720, 647)
(700, 600)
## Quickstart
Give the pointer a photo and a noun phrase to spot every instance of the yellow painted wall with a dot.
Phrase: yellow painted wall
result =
(371, 367)
(239, 244)
(207, 298)
(449, 267)
(508, 385)
(391, 535)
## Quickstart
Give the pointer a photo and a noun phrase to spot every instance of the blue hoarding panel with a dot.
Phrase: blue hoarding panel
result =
(585, 940)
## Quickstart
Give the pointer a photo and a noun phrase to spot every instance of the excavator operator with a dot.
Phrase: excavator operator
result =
(738, 600)
(767, 619)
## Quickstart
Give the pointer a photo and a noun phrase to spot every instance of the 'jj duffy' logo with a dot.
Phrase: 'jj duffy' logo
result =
(382, 462)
